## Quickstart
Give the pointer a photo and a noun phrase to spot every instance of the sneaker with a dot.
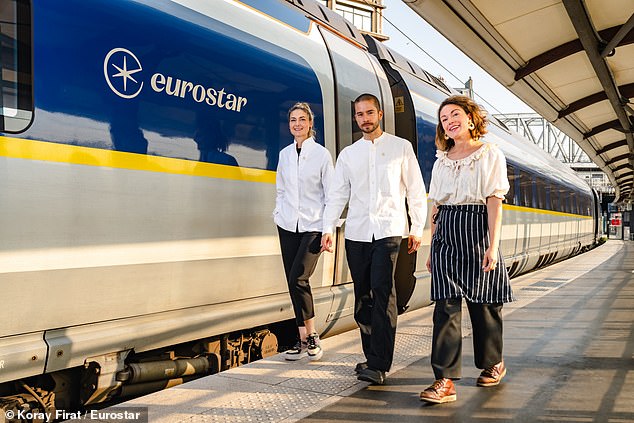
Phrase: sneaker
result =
(493, 375)
(313, 348)
(298, 352)
(441, 391)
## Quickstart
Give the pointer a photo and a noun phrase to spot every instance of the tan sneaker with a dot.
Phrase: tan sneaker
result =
(441, 391)
(492, 375)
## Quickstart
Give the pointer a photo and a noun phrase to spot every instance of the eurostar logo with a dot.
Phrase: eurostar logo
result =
(119, 69)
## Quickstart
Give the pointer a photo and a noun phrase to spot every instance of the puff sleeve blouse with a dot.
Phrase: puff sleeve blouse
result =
(469, 180)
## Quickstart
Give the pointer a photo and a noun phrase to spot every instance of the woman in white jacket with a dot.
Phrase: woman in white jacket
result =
(304, 172)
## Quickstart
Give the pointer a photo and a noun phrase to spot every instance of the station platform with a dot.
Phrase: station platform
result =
(569, 350)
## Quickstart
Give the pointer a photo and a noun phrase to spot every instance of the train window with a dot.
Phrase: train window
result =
(585, 206)
(589, 206)
(510, 172)
(581, 205)
(16, 98)
(553, 197)
(541, 193)
(526, 189)
(564, 200)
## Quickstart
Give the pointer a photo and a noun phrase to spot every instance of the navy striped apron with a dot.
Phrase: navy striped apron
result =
(457, 250)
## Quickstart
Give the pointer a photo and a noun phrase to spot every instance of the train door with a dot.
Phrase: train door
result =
(355, 73)
(416, 103)
(405, 127)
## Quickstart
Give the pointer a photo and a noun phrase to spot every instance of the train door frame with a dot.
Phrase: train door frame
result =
(404, 127)
(354, 73)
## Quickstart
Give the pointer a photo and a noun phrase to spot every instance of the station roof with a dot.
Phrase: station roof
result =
(572, 61)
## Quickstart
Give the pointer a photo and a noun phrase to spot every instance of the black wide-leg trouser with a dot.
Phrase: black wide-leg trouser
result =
(372, 266)
(300, 253)
(486, 322)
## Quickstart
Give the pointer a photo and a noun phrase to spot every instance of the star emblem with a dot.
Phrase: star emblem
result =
(125, 64)
(125, 73)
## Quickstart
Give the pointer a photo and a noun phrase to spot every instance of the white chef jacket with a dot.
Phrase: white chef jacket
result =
(375, 178)
(302, 183)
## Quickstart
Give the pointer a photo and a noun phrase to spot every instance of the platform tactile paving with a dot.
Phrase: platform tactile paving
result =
(274, 390)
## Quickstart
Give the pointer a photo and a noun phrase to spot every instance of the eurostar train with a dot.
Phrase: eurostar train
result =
(138, 148)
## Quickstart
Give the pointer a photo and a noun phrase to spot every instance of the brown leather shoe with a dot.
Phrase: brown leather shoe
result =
(493, 375)
(441, 391)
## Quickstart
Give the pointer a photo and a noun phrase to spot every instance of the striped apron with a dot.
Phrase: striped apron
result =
(457, 250)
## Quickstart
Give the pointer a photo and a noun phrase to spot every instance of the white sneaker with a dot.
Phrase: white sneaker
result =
(314, 350)
(298, 352)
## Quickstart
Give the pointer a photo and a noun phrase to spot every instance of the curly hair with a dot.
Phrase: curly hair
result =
(470, 107)
(304, 107)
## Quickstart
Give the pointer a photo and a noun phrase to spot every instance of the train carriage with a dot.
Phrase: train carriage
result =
(138, 148)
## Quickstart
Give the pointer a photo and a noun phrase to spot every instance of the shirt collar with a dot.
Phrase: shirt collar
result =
(307, 142)
(377, 140)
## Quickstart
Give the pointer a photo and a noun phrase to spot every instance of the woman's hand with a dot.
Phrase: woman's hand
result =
(490, 260)
(429, 263)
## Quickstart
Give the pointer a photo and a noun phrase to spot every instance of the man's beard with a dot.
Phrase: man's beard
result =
(369, 131)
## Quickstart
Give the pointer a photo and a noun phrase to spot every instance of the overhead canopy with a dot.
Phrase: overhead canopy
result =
(572, 61)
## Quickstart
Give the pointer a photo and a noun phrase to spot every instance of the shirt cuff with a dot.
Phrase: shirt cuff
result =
(416, 230)
(328, 230)
(499, 194)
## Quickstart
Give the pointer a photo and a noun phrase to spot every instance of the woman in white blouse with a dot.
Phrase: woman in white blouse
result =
(467, 188)
(304, 172)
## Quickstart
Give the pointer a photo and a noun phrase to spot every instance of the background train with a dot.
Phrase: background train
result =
(138, 148)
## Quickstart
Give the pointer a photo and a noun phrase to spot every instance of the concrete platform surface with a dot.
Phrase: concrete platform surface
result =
(569, 348)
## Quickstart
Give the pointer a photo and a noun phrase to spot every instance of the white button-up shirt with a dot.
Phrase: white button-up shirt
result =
(302, 183)
(375, 178)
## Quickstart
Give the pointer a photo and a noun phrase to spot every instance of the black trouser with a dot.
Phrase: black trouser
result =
(372, 266)
(486, 322)
(300, 252)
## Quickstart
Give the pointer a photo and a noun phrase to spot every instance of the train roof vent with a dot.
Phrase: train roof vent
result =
(318, 12)
(499, 122)
(391, 56)
(437, 82)
(411, 66)
(383, 52)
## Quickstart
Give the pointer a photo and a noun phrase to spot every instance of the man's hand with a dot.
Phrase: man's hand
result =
(326, 242)
(413, 243)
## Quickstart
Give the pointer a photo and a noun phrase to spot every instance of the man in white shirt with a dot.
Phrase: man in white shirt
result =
(375, 175)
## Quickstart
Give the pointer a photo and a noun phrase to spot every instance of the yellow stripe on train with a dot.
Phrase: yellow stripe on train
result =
(18, 148)
(541, 211)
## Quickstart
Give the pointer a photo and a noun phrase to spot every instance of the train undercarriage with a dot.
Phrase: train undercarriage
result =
(123, 375)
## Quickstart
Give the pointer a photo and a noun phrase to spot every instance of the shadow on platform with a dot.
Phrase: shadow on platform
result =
(570, 356)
